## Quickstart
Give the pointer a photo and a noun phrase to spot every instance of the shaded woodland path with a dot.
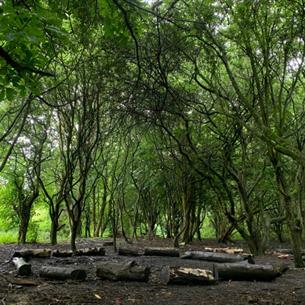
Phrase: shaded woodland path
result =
(287, 289)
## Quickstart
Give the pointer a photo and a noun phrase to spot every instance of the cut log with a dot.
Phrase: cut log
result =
(23, 268)
(122, 271)
(129, 252)
(91, 252)
(62, 253)
(213, 257)
(108, 243)
(224, 250)
(161, 252)
(248, 272)
(187, 276)
(79, 252)
(62, 273)
(38, 253)
(286, 251)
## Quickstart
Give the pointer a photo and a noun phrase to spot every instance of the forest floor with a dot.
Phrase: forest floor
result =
(287, 289)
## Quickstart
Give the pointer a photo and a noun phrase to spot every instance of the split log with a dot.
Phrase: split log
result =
(62, 273)
(248, 272)
(129, 252)
(186, 276)
(161, 252)
(214, 257)
(23, 268)
(91, 252)
(122, 271)
(37, 253)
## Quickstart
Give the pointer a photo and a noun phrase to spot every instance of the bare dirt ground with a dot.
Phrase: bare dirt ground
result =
(285, 290)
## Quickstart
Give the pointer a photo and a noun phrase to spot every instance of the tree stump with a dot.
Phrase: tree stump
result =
(62, 273)
(187, 276)
(23, 268)
(122, 271)
(161, 252)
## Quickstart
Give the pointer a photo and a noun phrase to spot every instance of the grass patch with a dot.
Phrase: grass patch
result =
(7, 237)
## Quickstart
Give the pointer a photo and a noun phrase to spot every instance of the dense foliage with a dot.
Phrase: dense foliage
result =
(129, 118)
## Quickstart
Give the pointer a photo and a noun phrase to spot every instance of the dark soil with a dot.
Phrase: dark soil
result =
(287, 289)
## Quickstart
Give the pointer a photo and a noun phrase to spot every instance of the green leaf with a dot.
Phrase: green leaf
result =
(10, 93)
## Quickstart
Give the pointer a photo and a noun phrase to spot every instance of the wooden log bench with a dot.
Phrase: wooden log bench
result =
(62, 273)
(122, 271)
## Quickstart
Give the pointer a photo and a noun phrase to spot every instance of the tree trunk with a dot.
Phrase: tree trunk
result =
(24, 219)
(54, 229)
(74, 229)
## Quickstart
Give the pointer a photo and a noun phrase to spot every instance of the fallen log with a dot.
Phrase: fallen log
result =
(286, 251)
(122, 271)
(91, 252)
(62, 273)
(108, 243)
(129, 252)
(79, 252)
(224, 250)
(214, 257)
(248, 272)
(23, 268)
(187, 276)
(62, 253)
(37, 253)
(161, 252)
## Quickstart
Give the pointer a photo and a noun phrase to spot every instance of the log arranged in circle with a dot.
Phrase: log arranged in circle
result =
(23, 268)
(213, 256)
(62, 273)
(97, 251)
(37, 253)
(248, 272)
(187, 276)
(173, 252)
(122, 271)
(129, 252)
